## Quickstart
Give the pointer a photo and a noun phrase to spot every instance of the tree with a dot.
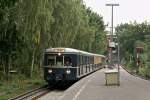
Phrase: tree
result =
(10, 39)
(34, 21)
(97, 25)
(131, 35)
(27, 27)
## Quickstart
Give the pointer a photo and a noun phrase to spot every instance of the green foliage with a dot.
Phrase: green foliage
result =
(27, 27)
(97, 26)
(142, 71)
(10, 38)
(145, 71)
(130, 65)
(91, 34)
(132, 35)
(18, 86)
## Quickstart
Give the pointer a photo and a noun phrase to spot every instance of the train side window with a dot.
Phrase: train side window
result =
(85, 60)
(81, 62)
(90, 60)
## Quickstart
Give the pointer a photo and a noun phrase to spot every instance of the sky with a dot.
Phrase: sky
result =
(127, 11)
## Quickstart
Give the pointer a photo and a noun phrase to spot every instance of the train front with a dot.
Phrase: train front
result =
(59, 66)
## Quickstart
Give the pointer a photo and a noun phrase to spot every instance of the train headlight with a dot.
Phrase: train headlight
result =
(50, 71)
(59, 54)
(68, 71)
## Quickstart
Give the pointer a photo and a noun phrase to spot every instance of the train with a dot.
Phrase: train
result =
(69, 65)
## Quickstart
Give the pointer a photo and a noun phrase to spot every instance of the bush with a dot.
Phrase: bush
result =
(142, 71)
(1, 75)
(145, 71)
(130, 65)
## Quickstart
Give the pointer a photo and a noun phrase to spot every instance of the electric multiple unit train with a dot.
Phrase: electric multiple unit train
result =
(67, 64)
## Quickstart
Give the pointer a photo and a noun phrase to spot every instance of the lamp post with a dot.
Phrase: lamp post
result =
(112, 5)
(111, 37)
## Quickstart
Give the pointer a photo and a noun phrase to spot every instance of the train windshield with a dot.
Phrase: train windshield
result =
(54, 60)
(59, 61)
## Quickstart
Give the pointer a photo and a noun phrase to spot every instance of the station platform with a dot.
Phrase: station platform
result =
(93, 87)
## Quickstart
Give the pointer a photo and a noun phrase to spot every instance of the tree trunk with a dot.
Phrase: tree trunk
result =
(7, 67)
(4, 68)
(32, 65)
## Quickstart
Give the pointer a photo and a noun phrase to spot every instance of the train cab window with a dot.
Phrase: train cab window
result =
(67, 61)
(51, 60)
(59, 61)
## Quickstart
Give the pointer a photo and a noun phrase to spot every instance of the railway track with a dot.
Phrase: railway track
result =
(33, 94)
(134, 74)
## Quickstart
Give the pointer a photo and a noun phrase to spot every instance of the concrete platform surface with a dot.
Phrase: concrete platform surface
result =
(93, 87)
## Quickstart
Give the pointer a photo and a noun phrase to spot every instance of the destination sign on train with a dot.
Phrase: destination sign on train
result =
(59, 50)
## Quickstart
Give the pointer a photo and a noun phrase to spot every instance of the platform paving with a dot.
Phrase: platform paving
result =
(93, 87)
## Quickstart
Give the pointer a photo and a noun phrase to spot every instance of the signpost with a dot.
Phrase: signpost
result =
(139, 49)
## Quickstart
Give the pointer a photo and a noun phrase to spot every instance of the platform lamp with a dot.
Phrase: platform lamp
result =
(112, 6)
(111, 37)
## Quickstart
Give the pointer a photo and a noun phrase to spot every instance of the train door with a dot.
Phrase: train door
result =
(81, 67)
(86, 66)
(79, 64)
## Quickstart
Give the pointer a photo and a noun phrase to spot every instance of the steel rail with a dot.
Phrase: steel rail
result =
(33, 94)
(134, 74)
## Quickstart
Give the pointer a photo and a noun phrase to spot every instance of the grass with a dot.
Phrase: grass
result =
(12, 88)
